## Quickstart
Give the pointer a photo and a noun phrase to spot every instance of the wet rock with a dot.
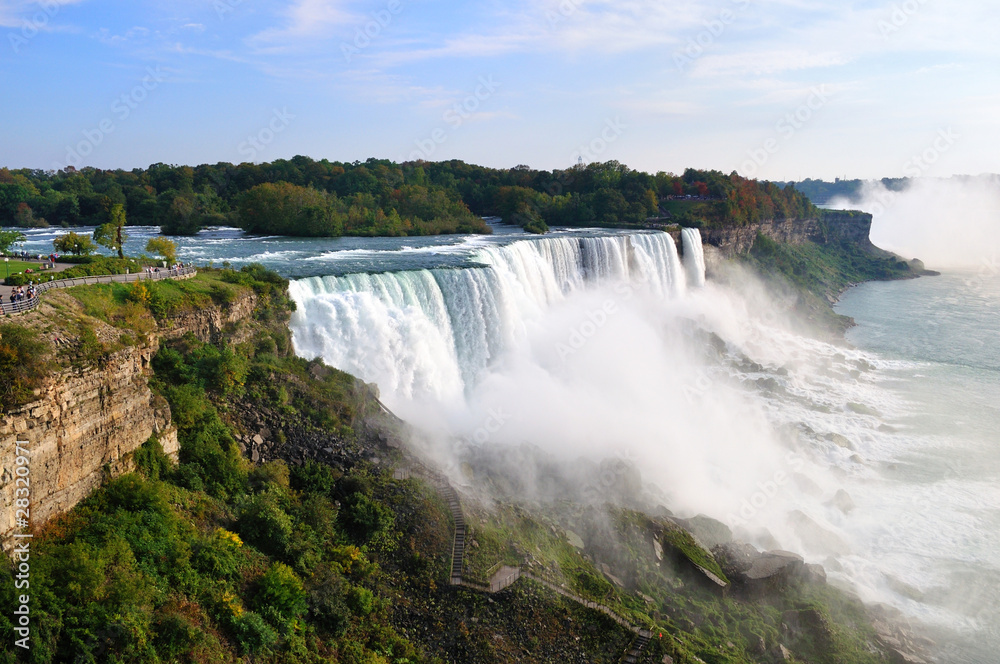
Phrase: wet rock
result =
(816, 537)
(842, 501)
(840, 441)
(805, 485)
(812, 573)
(708, 531)
(772, 565)
(736, 558)
(862, 409)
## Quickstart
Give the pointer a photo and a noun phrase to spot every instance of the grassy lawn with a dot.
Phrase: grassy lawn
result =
(16, 266)
(123, 304)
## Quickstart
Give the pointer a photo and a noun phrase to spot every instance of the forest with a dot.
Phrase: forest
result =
(305, 197)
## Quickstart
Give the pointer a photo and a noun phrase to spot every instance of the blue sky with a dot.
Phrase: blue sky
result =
(778, 89)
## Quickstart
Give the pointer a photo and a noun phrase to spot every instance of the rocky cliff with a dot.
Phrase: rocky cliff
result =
(831, 226)
(88, 420)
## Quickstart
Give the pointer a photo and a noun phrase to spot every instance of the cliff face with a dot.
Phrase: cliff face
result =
(87, 422)
(832, 226)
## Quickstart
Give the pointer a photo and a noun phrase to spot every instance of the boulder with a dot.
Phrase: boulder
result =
(816, 537)
(842, 501)
(774, 565)
(812, 573)
(755, 572)
(708, 531)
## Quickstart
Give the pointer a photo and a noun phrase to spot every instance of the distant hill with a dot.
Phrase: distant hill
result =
(821, 192)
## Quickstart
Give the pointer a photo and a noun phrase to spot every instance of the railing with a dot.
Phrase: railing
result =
(10, 308)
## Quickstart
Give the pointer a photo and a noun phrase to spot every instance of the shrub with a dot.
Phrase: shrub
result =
(265, 525)
(151, 460)
(280, 590)
(272, 473)
(253, 634)
(365, 518)
(188, 476)
(24, 365)
(360, 600)
(313, 477)
(217, 558)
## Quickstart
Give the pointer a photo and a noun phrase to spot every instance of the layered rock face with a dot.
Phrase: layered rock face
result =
(832, 226)
(83, 428)
(87, 422)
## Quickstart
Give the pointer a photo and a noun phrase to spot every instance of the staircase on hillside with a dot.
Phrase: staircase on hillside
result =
(632, 655)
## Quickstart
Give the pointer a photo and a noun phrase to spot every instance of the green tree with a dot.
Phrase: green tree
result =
(74, 243)
(25, 217)
(112, 234)
(9, 238)
(161, 246)
(280, 592)
(181, 217)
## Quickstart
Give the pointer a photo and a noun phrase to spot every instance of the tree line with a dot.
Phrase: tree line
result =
(303, 196)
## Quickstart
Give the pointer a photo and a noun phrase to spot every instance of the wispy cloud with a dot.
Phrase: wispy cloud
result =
(307, 20)
(37, 13)
(768, 62)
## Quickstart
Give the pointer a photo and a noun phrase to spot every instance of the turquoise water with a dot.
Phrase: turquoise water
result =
(943, 335)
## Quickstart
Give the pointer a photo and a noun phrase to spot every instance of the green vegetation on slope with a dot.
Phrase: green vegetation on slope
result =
(821, 272)
(216, 559)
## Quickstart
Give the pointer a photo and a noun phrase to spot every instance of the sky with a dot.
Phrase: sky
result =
(773, 89)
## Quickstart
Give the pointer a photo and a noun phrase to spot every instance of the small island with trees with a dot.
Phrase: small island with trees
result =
(305, 197)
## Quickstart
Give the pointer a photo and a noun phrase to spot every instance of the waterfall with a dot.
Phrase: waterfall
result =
(694, 256)
(432, 333)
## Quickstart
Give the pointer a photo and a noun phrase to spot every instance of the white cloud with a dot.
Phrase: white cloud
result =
(38, 13)
(766, 62)
(305, 20)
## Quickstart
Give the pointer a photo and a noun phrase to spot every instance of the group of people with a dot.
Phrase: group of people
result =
(20, 294)
(156, 270)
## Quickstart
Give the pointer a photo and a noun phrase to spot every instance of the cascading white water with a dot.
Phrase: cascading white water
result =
(431, 333)
(694, 256)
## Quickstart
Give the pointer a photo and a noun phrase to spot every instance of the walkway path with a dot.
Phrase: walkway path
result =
(11, 308)
(5, 290)
(505, 576)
